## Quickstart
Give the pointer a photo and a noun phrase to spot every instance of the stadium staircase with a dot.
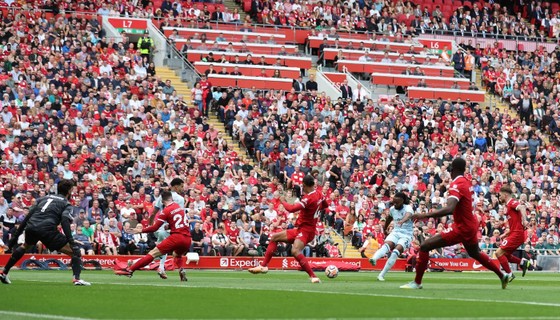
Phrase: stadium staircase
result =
(345, 246)
(231, 4)
(183, 90)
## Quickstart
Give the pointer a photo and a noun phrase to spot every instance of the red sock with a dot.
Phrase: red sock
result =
(513, 259)
(144, 261)
(504, 263)
(484, 259)
(305, 265)
(421, 266)
(269, 252)
(179, 262)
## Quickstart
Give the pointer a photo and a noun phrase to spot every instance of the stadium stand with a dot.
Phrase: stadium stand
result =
(78, 105)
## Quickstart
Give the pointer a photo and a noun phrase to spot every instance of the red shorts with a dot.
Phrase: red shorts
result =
(176, 242)
(512, 242)
(301, 234)
(453, 236)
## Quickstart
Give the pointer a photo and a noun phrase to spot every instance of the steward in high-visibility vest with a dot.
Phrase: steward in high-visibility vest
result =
(145, 45)
(469, 64)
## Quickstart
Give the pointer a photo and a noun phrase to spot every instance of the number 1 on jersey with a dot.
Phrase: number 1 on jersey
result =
(44, 208)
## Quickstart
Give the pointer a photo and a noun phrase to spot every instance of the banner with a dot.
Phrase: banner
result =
(508, 44)
(436, 46)
(277, 263)
(456, 264)
(129, 25)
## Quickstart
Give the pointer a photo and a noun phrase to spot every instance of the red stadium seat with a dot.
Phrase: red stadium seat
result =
(467, 4)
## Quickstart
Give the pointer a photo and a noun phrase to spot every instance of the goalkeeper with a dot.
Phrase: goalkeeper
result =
(41, 224)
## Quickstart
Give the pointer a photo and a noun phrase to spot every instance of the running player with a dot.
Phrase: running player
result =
(304, 232)
(41, 224)
(464, 229)
(401, 236)
(178, 242)
(163, 232)
(516, 235)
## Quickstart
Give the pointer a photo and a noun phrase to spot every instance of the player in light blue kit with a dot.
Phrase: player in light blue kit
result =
(163, 232)
(401, 236)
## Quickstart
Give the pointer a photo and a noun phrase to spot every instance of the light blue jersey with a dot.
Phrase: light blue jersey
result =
(398, 215)
(176, 198)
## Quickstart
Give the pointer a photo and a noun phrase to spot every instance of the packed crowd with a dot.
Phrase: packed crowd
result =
(78, 106)
(500, 18)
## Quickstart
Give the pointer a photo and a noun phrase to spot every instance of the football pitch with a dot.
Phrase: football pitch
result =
(277, 295)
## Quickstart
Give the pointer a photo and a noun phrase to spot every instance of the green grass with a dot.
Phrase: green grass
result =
(233, 294)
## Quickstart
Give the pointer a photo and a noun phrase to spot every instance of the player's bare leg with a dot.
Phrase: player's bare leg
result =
(423, 259)
(475, 253)
(297, 248)
(272, 246)
(395, 253)
(142, 262)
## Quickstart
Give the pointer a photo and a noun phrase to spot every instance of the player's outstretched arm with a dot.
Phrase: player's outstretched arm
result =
(406, 217)
(154, 227)
(297, 206)
(447, 210)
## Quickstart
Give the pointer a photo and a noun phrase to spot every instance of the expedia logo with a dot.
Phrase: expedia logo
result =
(224, 262)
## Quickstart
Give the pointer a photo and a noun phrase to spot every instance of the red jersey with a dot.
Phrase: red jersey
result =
(463, 216)
(233, 234)
(308, 208)
(514, 217)
(175, 216)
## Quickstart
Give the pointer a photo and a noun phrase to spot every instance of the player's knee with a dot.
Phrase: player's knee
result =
(295, 252)
(424, 247)
(397, 252)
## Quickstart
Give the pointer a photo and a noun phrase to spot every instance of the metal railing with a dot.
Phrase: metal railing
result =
(177, 60)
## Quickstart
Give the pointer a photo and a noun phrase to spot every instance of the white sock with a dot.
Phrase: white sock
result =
(390, 262)
(162, 262)
(381, 252)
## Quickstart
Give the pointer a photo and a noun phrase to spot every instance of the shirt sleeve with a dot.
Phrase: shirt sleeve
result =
(67, 213)
(157, 224)
(297, 206)
(454, 191)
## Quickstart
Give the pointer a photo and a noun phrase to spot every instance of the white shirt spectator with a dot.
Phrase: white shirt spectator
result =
(106, 68)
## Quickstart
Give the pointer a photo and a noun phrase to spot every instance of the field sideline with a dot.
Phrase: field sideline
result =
(278, 294)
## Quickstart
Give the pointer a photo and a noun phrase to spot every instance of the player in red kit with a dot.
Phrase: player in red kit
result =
(309, 207)
(516, 235)
(178, 242)
(464, 229)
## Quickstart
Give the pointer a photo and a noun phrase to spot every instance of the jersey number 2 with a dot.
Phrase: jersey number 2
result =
(180, 221)
(44, 208)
